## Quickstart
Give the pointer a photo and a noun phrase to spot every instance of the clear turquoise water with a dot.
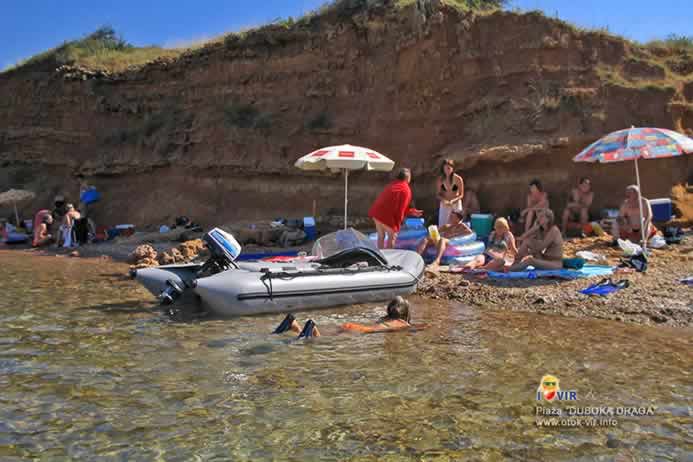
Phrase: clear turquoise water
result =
(90, 370)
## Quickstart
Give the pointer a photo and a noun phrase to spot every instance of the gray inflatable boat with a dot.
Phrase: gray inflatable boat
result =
(344, 268)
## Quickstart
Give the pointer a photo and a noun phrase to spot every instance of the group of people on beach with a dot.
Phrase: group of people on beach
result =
(540, 244)
(64, 225)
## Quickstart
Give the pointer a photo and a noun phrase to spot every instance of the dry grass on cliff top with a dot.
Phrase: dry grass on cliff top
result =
(104, 50)
(100, 50)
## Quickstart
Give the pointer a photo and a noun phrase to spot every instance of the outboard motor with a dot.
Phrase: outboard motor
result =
(224, 249)
(169, 283)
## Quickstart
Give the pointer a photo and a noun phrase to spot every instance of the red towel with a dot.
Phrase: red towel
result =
(392, 206)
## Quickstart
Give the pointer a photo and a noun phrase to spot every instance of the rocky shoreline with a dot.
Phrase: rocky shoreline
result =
(653, 298)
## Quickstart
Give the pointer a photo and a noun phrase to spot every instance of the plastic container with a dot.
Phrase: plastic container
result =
(90, 196)
(433, 233)
(610, 213)
(414, 223)
(662, 209)
(309, 228)
(597, 229)
(482, 224)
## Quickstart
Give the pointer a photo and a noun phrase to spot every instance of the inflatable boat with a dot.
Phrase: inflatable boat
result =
(344, 268)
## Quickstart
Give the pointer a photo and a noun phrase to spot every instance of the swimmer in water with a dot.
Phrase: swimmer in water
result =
(397, 318)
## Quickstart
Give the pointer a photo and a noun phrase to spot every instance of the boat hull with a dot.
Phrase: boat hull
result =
(262, 287)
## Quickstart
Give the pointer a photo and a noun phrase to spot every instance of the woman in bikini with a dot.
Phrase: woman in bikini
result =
(542, 245)
(537, 199)
(397, 318)
(450, 191)
(501, 244)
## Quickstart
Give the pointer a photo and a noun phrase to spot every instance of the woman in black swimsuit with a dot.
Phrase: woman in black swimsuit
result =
(450, 191)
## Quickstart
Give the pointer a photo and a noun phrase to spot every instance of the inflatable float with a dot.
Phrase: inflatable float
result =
(460, 250)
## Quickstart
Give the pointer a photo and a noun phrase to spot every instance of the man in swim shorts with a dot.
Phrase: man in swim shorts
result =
(397, 318)
(628, 223)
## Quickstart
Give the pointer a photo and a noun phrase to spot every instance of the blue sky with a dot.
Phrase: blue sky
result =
(28, 27)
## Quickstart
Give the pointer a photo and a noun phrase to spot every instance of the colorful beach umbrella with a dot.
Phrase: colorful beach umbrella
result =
(637, 143)
(345, 157)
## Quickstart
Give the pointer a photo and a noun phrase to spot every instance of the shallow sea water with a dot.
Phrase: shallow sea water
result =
(90, 369)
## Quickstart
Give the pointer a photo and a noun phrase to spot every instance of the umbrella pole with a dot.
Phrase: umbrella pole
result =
(346, 188)
(642, 224)
(16, 215)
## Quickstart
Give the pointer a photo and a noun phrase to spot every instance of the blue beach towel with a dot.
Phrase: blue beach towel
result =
(586, 271)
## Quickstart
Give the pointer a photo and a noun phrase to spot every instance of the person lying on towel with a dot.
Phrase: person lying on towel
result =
(542, 245)
(453, 228)
(397, 318)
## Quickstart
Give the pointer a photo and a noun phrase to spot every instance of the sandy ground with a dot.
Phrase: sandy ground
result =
(655, 297)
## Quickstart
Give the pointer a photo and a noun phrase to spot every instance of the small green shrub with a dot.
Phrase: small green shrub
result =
(321, 121)
(674, 42)
(246, 116)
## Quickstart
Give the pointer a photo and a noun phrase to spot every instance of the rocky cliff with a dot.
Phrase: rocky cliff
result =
(214, 133)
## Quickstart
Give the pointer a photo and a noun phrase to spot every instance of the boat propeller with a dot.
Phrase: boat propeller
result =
(172, 291)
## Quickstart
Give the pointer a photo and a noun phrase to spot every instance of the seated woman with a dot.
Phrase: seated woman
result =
(578, 208)
(542, 245)
(628, 222)
(397, 318)
(42, 236)
(501, 243)
(65, 235)
(454, 228)
(537, 199)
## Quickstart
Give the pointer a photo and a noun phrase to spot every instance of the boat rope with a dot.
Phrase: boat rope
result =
(268, 276)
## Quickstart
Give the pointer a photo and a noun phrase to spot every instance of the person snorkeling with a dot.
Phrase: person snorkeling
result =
(397, 318)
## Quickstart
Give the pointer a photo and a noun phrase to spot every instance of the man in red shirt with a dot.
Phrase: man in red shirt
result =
(391, 207)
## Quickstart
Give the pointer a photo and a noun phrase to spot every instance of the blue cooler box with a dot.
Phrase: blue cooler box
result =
(662, 210)
(414, 223)
(309, 228)
(482, 224)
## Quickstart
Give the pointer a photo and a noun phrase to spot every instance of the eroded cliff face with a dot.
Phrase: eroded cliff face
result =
(214, 134)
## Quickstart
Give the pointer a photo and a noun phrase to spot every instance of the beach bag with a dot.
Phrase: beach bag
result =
(673, 235)
(573, 263)
(90, 196)
(81, 230)
(637, 262)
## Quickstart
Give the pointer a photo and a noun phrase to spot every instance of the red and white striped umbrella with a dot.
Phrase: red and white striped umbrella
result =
(345, 157)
